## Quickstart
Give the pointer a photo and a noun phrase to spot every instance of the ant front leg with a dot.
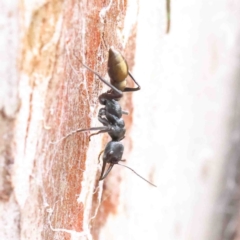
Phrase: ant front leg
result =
(104, 121)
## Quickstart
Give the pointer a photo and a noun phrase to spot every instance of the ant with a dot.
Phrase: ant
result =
(111, 115)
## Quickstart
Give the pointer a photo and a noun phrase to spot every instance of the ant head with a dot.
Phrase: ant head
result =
(113, 152)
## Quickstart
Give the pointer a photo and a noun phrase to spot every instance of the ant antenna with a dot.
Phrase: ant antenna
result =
(137, 174)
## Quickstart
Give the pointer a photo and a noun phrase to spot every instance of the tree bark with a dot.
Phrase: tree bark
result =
(53, 188)
(182, 127)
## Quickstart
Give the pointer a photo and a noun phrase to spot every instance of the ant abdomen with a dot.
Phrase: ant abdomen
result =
(117, 69)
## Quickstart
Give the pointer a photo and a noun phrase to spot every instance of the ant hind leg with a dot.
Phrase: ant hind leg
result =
(132, 89)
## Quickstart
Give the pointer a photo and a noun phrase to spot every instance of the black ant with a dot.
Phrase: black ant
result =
(111, 115)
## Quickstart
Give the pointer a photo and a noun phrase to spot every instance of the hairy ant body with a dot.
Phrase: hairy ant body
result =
(111, 115)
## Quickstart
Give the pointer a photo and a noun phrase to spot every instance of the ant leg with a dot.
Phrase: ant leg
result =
(132, 89)
(109, 95)
(118, 93)
(101, 118)
(125, 112)
(99, 155)
(102, 131)
(105, 129)
(102, 79)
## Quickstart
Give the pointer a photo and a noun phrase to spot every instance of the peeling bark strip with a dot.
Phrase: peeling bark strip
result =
(6, 158)
(9, 106)
(55, 184)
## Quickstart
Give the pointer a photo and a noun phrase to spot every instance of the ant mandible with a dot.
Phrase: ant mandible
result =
(111, 115)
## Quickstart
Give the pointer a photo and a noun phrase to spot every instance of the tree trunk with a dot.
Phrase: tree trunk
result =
(182, 127)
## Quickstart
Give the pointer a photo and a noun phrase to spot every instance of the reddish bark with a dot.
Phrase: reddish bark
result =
(70, 101)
